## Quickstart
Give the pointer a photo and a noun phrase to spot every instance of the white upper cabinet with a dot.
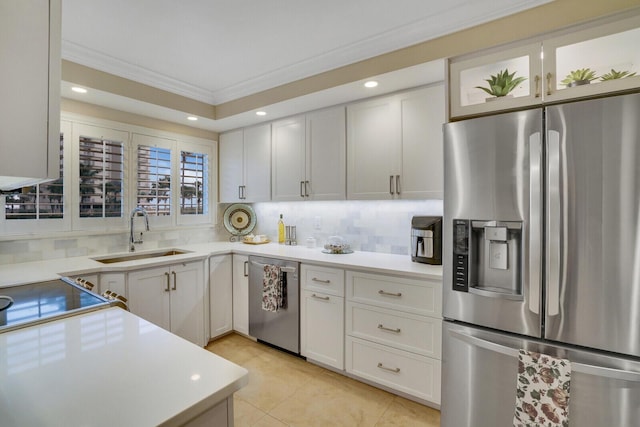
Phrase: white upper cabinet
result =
(308, 161)
(373, 148)
(288, 161)
(394, 146)
(423, 114)
(245, 165)
(589, 61)
(30, 34)
(326, 154)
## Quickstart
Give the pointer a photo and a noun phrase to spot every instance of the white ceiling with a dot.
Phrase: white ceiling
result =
(216, 51)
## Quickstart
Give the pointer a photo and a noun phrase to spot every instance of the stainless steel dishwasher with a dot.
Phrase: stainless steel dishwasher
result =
(280, 328)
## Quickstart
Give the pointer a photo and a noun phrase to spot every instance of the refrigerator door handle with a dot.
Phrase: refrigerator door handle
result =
(535, 220)
(554, 224)
(598, 371)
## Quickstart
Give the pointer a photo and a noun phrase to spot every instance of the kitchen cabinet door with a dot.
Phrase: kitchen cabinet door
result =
(422, 117)
(231, 170)
(187, 302)
(30, 37)
(149, 295)
(326, 154)
(241, 294)
(257, 164)
(322, 328)
(220, 295)
(373, 149)
(245, 165)
(288, 159)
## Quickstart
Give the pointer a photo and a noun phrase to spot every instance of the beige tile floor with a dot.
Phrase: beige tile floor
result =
(284, 390)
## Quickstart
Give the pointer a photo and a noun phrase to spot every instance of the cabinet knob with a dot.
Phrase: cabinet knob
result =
(549, 75)
(167, 289)
(537, 80)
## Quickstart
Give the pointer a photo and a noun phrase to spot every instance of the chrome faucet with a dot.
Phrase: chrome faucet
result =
(134, 213)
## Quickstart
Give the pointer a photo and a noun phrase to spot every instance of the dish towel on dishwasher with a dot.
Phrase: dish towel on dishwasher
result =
(542, 395)
(274, 288)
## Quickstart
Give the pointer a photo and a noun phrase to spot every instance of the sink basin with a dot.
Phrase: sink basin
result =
(141, 255)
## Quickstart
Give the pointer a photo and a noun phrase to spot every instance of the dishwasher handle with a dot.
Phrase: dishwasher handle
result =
(283, 269)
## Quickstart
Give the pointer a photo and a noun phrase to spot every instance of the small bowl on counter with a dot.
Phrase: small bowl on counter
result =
(336, 245)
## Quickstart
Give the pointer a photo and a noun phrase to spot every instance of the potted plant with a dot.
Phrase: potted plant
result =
(581, 76)
(614, 75)
(501, 84)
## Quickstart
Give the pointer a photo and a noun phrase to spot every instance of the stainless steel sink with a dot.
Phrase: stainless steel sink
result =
(142, 255)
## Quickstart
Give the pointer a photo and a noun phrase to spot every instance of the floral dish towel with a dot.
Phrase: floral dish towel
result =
(274, 288)
(542, 396)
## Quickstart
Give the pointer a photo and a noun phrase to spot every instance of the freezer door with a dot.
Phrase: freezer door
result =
(593, 224)
(492, 238)
(479, 371)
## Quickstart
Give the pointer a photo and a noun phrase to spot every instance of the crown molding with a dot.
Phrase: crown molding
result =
(453, 19)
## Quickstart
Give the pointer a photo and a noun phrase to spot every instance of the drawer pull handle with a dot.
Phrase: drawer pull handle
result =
(391, 294)
(315, 279)
(394, 370)
(384, 328)
(322, 298)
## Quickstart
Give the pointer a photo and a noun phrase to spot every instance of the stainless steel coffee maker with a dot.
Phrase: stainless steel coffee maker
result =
(426, 239)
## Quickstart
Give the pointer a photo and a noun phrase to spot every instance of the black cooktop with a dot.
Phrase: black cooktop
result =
(38, 301)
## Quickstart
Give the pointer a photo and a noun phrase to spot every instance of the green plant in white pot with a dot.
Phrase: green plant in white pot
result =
(581, 76)
(615, 75)
(502, 83)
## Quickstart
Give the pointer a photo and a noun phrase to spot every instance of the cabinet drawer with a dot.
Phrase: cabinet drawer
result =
(418, 296)
(404, 331)
(410, 373)
(323, 279)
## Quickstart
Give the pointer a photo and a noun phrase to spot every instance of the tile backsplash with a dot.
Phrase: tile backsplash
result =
(372, 226)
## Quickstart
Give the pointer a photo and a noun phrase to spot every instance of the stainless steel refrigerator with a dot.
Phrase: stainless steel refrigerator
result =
(542, 252)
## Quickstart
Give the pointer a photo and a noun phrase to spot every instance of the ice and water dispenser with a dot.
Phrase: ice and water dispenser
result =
(487, 257)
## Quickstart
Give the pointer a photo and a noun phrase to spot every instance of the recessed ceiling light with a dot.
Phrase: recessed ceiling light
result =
(261, 113)
(79, 89)
(371, 83)
(192, 118)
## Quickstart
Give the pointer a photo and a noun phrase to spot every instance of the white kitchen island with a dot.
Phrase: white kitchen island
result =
(112, 368)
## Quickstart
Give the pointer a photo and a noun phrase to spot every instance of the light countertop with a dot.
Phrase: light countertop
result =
(76, 371)
(11, 274)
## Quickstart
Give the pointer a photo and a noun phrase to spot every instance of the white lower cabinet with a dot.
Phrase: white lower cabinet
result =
(220, 295)
(322, 315)
(393, 333)
(403, 371)
(171, 297)
(241, 294)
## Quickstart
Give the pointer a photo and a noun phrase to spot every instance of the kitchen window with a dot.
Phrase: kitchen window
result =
(41, 201)
(193, 188)
(172, 180)
(100, 182)
(105, 172)
(154, 180)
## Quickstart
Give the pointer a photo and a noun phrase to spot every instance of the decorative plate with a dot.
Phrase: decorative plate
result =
(239, 219)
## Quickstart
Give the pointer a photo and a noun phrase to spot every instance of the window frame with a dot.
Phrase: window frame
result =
(138, 139)
(98, 132)
(73, 126)
(212, 194)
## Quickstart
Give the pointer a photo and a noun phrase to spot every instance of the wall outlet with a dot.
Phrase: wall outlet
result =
(317, 223)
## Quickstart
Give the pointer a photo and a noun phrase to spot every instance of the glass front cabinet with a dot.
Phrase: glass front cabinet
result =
(581, 63)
